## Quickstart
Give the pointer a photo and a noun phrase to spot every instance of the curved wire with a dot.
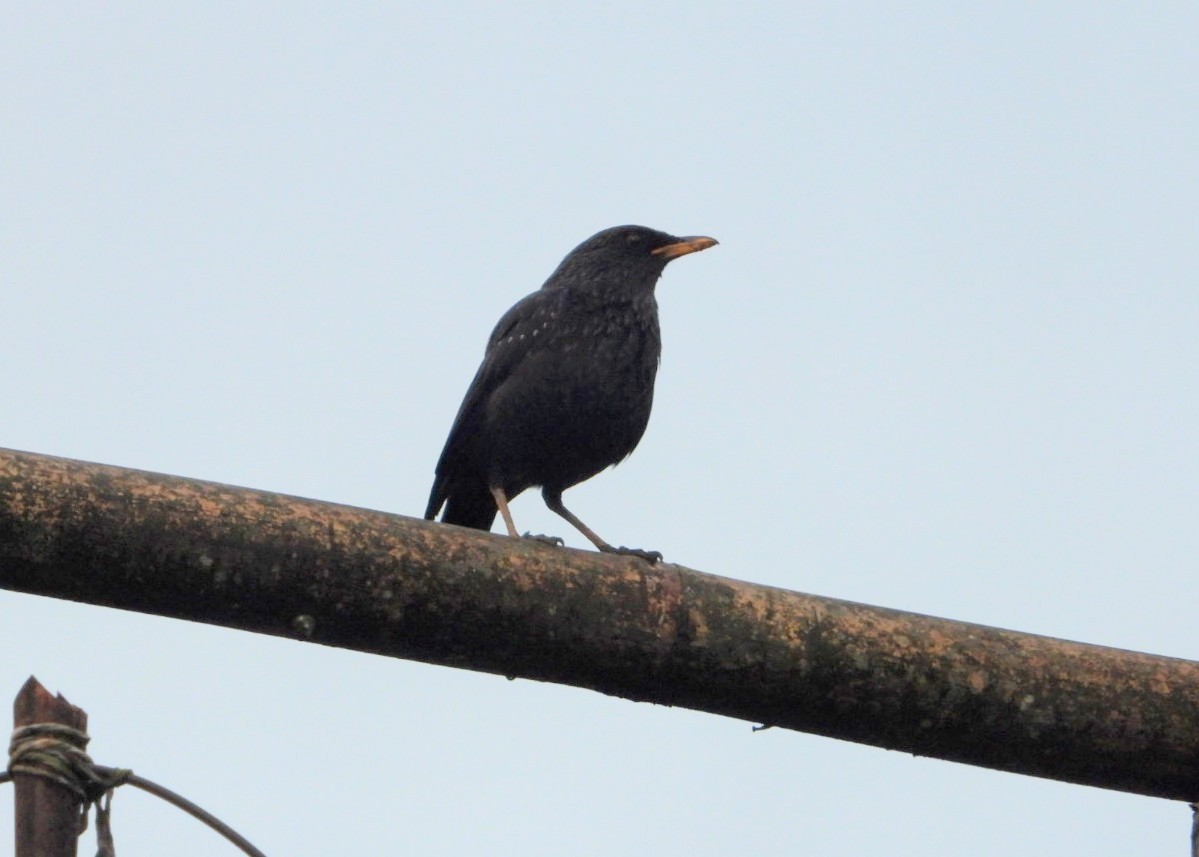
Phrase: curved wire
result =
(178, 801)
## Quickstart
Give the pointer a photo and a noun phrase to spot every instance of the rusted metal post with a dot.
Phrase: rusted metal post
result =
(47, 815)
(408, 588)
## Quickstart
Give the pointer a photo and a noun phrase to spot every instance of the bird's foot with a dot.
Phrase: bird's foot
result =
(553, 541)
(649, 556)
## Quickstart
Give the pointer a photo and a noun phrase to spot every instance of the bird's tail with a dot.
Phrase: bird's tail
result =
(467, 504)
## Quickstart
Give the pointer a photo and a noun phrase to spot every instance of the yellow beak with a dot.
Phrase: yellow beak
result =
(688, 245)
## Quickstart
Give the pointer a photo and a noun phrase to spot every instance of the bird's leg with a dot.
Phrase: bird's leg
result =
(501, 500)
(553, 499)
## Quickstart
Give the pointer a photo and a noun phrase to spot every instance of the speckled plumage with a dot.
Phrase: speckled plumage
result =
(566, 384)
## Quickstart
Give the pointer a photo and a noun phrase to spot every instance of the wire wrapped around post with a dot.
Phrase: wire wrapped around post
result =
(54, 753)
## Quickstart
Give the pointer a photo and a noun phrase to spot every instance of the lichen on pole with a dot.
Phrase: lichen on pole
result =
(407, 588)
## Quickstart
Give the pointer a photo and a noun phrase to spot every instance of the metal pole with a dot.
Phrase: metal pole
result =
(407, 588)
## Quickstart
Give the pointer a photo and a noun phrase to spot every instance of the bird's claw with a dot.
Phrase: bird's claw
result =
(651, 557)
(553, 541)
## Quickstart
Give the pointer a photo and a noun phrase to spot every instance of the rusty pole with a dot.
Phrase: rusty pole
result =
(47, 814)
(407, 588)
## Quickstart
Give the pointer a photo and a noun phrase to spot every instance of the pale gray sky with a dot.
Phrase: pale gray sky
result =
(943, 360)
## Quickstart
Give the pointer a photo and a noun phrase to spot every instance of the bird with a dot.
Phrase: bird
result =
(565, 387)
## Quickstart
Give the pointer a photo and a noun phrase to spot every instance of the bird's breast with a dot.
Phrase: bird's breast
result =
(579, 398)
(611, 357)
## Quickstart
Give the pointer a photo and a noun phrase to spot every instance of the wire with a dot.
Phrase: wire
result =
(55, 752)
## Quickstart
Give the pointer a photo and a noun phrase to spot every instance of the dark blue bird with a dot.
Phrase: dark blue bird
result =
(566, 385)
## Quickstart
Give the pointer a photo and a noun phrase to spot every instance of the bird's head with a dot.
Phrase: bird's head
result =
(624, 256)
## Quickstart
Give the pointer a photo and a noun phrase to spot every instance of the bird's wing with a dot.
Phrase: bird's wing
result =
(511, 341)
